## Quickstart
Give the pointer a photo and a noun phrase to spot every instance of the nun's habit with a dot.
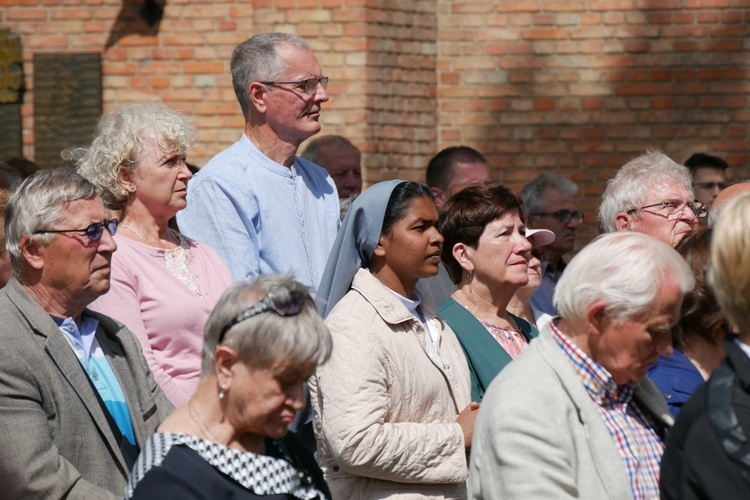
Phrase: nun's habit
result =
(355, 244)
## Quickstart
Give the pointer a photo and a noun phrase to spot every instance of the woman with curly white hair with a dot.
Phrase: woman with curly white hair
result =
(163, 284)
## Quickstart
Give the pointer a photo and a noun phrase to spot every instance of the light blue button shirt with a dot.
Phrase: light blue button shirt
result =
(262, 217)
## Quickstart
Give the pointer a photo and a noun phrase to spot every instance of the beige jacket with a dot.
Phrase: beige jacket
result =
(384, 411)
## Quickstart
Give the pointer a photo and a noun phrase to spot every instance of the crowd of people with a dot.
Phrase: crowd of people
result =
(267, 329)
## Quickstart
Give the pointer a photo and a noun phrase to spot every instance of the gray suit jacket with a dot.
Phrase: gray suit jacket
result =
(539, 435)
(54, 437)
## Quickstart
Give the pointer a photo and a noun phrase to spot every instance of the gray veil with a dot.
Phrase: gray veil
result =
(355, 243)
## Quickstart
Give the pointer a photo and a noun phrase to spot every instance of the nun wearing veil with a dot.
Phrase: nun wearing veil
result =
(393, 417)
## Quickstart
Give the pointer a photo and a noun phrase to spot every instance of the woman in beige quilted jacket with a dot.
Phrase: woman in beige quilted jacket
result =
(393, 417)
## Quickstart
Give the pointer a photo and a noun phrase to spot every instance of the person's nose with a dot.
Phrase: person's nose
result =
(184, 173)
(321, 94)
(664, 348)
(688, 215)
(296, 397)
(436, 238)
(107, 242)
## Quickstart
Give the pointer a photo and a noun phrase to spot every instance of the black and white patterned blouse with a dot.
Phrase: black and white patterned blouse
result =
(182, 466)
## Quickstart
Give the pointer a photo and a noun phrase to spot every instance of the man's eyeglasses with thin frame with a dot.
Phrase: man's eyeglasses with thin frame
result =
(308, 86)
(563, 216)
(675, 207)
(291, 307)
(94, 231)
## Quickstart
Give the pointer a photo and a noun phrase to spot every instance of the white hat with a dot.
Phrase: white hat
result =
(540, 237)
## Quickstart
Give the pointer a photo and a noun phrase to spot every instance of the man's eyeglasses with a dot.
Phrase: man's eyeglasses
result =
(309, 86)
(563, 216)
(676, 207)
(712, 185)
(94, 231)
(291, 307)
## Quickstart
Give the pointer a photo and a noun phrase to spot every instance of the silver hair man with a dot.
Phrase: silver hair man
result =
(654, 195)
(584, 380)
(72, 379)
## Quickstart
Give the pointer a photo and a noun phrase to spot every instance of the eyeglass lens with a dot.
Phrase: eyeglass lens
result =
(311, 84)
(96, 230)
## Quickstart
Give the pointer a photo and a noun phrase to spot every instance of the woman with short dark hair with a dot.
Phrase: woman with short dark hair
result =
(487, 255)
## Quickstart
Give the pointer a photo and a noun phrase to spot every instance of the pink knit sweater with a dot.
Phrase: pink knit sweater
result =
(162, 310)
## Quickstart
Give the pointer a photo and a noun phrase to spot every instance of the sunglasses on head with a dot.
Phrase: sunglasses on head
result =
(290, 307)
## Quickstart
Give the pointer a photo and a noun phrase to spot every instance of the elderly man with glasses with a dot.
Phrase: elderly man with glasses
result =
(77, 400)
(549, 201)
(654, 195)
(262, 208)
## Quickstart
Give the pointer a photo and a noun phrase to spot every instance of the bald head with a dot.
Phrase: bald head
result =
(725, 197)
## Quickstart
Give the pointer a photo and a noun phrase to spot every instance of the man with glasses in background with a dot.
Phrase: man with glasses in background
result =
(654, 195)
(548, 199)
(262, 208)
(709, 177)
(78, 400)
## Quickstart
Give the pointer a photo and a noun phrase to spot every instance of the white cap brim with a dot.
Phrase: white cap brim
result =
(540, 237)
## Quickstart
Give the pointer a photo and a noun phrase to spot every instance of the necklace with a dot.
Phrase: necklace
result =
(492, 319)
(140, 236)
(201, 424)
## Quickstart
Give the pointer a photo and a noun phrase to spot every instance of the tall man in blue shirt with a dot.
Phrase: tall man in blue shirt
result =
(263, 209)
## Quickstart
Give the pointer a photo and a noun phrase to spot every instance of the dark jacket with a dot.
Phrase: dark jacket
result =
(696, 463)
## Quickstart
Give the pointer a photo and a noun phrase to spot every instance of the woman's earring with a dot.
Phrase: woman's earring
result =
(221, 392)
(132, 188)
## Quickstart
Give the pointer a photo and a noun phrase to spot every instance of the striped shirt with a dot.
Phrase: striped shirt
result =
(632, 429)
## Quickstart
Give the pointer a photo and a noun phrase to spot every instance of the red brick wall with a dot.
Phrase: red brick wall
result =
(578, 87)
(573, 86)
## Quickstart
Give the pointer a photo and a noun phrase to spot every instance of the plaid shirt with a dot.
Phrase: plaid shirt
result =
(632, 429)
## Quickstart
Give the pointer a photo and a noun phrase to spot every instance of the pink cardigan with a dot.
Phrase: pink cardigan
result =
(165, 315)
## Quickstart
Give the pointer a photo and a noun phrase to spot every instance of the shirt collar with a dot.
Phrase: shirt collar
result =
(595, 378)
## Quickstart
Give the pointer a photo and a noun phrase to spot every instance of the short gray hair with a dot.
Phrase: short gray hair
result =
(532, 193)
(257, 60)
(39, 203)
(628, 190)
(267, 337)
(624, 269)
(313, 149)
(120, 136)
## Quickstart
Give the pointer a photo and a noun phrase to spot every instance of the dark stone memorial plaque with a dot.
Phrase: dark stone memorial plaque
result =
(11, 86)
(67, 103)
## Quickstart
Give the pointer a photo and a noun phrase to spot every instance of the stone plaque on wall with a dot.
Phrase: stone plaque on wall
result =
(11, 87)
(67, 103)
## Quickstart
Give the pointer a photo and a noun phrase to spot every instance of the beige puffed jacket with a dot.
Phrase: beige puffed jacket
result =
(384, 411)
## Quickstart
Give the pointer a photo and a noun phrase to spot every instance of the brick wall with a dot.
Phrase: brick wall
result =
(578, 87)
(573, 86)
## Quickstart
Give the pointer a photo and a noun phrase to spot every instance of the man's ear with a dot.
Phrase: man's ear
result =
(439, 196)
(257, 94)
(596, 315)
(623, 221)
(33, 252)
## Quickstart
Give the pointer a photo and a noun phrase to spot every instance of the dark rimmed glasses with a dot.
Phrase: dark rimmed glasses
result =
(676, 207)
(291, 307)
(711, 185)
(563, 216)
(94, 232)
(308, 86)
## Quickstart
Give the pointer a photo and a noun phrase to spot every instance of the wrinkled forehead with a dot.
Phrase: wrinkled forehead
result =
(667, 189)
